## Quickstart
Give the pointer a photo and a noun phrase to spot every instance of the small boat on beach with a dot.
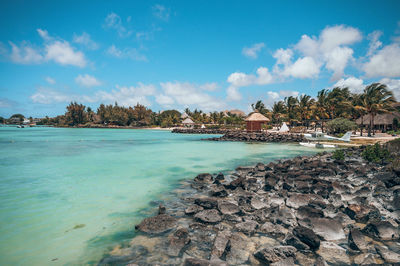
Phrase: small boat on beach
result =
(317, 145)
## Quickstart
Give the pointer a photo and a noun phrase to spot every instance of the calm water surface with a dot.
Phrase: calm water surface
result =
(69, 195)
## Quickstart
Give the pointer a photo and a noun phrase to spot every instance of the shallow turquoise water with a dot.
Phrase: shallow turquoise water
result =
(55, 179)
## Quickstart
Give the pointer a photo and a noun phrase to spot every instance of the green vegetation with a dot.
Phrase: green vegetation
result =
(376, 153)
(338, 155)
(2, 120)
(340, 126)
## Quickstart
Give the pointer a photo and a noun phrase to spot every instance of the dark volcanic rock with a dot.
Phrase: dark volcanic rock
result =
(309, 212)
(206, 203)
(226, 207)
(388, 255)
(208, 216)
(193, 209)
(201, 262)
(204, 178)
(220, 243)
(239, 247)
(307, 236)
(157, 224)
(270, 255)
(361, 213)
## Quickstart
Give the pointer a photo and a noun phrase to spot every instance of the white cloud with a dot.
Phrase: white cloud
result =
(50, 80)
(113, 21)
(233, 94)
(87, 81)
(25, 54)
(374, 42)
(61, 52)
(393, 85)
(336, 60)
(332, 37)
(44, 34)
(287, 93)
(209, 86)
(131, 53)
(239, 79)
(161, 12)
(354, 84)
(273, 96)
(125, 96)
(190, 95)
(252, 52)
(164, 100)
(85, 40)
(384, 63)
(304, 67)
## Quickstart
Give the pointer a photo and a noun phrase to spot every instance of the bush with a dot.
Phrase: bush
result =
(338, 155)
(340, 125)
(376, 153)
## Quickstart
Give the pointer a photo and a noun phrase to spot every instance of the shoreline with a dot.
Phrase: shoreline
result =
(306, 210)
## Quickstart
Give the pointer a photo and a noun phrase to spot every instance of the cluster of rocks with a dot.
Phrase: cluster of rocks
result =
(303, 211)
(200, 130)
(259, 137)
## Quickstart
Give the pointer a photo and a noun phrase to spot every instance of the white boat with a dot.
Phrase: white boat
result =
(317, 145)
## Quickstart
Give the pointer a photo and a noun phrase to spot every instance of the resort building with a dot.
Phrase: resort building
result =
(254, 122)
(188, 122)
(184, 115)
(382, 122)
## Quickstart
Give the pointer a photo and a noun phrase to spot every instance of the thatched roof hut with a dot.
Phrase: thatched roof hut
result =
(188, 121)
(254, 121)
(237, 112)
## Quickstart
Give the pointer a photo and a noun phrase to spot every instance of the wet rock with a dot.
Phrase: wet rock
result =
(365, 259)
(357, 240)
(220, 177)
(258, 203)
(219, 192)
(284, 262)
(333, 253)
(220, 243)
(235, 183)
(161, 209)
(206, 203)
(204, 178)
(247, 227)
(208, 216)
(240, 248)
(157, 224)
(296, 200)
(177, 241)
(135, 253)
(271, 255)
(226, 207)
(307, 236)
(193, 209)
(320, 262)
(383, 230)
(388, 255)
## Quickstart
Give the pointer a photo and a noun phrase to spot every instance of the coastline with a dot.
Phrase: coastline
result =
(302, 210)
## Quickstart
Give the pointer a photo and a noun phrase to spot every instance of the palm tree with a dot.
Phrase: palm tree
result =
(278, 112)
(260, 107)
(359, 110)
(305, 108)
(377, 99)
(338, 101)
(292, 104)
(321, 107)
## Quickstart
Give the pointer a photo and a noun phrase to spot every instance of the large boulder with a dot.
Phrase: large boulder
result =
(220, 243)
(362, 213)
(388, 255)
(208, 216)
(204, 178)
(248, 227)
(269, 255)
(328, 229)
(206, 203)
(157, 224)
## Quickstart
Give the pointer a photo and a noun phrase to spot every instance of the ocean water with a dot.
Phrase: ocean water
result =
(69, 195)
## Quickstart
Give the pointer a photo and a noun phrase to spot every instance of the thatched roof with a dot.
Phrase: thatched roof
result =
(237, 112)
(379, 119)
(256, 116)
(187, 121)
(184, 115)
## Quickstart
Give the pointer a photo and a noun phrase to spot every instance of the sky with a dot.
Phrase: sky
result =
(210, 55)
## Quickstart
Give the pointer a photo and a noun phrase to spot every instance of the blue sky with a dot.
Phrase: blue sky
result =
(212, 55)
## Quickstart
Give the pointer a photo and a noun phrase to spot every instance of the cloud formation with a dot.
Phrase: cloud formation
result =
(114, 22)
(252, 51)
(384, 62)
(161, 12)
(87, 81)
(84, 39)
(130, 53)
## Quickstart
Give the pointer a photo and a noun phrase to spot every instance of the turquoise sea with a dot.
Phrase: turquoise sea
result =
(68, 195)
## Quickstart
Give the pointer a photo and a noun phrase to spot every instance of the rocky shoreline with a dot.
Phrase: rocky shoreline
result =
(259, 137)
(200, 131)
(315, 210)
